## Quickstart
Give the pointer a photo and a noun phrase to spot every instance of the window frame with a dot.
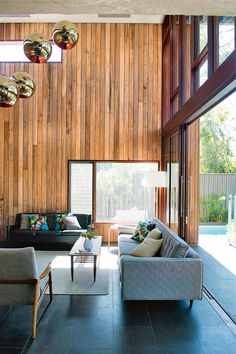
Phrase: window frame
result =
(198, 58)
(217, 44)
(210, 52)
(175, 65)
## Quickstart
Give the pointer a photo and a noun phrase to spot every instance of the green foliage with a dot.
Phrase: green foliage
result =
(216, 154)
(89, 234)
(214, 209)
(115, 180)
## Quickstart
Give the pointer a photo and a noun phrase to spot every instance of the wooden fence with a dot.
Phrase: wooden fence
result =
(217, 183)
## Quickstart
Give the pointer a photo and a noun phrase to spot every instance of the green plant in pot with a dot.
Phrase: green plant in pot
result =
(88, 242)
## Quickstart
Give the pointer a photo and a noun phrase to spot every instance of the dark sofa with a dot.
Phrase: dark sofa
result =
(50, 239)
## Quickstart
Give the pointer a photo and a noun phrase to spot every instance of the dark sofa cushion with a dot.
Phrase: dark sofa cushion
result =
(84, 220)
(23, 232)
(48, 233)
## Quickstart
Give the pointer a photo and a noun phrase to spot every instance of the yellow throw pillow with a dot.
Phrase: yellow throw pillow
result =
(148, 248)
(155, 234)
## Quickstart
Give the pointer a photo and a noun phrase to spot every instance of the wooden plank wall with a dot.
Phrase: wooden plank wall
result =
(193, 182)
(103, 102)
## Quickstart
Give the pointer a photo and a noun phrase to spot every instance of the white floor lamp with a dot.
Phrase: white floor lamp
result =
(155, 179)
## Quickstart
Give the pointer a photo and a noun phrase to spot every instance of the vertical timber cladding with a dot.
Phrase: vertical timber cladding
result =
(192, 180)
(102, 102)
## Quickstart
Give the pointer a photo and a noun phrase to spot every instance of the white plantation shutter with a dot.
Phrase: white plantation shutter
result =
(81, 188)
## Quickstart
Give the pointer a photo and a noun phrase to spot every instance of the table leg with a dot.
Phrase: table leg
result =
(72, 267)
(94, 267)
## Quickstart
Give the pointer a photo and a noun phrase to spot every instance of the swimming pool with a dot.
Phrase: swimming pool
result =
(213, 229)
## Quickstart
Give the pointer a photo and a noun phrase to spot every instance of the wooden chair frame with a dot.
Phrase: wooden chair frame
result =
(37, 298)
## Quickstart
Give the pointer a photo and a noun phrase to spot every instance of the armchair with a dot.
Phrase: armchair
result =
(20, 283)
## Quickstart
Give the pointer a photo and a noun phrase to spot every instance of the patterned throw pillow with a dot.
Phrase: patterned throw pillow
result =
(151, 226)
(141, 231)
(60, 225)
(38, 222)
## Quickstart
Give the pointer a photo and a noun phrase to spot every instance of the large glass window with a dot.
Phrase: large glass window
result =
(203, 72)
(226, 37)
(123, 190)
(200, 59)
(202, 33)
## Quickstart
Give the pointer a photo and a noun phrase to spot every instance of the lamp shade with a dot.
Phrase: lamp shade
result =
(8, 92)
(155, 179)
(37, 47)
(65, 35)
(25, 83)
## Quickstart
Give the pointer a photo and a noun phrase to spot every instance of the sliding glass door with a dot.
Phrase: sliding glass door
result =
(171, 194)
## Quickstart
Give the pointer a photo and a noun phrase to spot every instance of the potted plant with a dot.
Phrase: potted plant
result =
(88, 242)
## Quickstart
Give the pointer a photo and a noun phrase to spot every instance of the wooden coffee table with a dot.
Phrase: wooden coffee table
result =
(85, 257)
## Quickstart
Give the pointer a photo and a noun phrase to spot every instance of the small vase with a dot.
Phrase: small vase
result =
(88, 244)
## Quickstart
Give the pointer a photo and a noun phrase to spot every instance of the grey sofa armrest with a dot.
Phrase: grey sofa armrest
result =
(161, 278)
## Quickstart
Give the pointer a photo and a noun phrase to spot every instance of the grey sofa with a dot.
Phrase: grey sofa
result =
(176, 273)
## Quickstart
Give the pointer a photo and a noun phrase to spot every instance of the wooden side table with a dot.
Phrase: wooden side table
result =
(111, 229)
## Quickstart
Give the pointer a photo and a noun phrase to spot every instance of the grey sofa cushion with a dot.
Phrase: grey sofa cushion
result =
(191, 253)
(173, 246)
(126, 244)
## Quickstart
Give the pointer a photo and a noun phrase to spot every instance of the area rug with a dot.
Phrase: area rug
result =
(83, 283)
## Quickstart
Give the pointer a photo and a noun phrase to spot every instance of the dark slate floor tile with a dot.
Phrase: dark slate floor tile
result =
(91, 351)
(12, 340)
(10, 350)
(170, 336)
(132, 313)
(128, 339)
(87, 328)
(184, 350)
(226, 348)
(167, 313)
(146, 349)
(201, 313)
(100, 301)
(218, 280)
(215, 336)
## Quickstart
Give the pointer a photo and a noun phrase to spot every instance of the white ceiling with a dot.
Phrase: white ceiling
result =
(151, 11)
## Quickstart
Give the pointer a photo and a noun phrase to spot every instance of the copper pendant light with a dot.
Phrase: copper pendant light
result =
(37, 47)
(8, 92)
(65, 34)
(25, 84)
